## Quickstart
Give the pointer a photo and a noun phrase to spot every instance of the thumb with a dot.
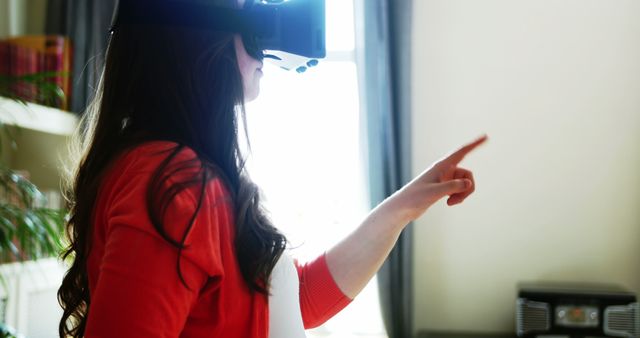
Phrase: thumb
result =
(452, 187)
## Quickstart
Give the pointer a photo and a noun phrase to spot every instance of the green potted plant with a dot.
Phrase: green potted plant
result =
(28, 229)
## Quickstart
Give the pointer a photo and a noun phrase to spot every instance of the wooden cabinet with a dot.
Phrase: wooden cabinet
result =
(30, 298)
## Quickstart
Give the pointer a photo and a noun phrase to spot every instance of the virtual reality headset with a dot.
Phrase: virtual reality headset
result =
(290, 33)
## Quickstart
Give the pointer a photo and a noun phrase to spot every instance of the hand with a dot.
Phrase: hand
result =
(443, 178)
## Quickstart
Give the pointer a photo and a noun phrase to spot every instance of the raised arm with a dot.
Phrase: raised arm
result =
(357, 258)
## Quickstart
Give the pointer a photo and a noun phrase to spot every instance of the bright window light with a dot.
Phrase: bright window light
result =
(305, 137)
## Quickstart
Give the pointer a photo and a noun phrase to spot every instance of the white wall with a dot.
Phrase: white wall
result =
(556, 85)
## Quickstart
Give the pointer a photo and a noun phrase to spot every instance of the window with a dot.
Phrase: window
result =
(305, 136)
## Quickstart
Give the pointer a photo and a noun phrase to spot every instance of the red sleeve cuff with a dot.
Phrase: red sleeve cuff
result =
(320, 296)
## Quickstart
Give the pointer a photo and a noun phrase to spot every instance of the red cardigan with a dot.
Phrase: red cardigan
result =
(134, 285)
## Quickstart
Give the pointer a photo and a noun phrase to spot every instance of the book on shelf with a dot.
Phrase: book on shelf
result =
(46, 57)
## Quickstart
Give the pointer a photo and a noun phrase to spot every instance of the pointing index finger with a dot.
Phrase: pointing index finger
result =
(459, 154)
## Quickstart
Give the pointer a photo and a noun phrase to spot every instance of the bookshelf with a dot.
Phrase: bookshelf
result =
(37, 117)
(41, 135)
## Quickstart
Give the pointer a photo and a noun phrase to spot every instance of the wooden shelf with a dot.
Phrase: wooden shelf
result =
(42, 141)
(37, 117)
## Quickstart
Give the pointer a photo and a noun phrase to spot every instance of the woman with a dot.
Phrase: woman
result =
(166, 232)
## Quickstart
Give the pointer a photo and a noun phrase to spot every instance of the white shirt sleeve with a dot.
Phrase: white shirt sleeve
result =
(285, 317)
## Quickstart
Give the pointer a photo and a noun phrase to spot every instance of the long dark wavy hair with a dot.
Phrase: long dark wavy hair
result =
(176, 84)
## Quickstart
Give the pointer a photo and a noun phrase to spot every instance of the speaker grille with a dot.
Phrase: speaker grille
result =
(622, 321)
(532, 316)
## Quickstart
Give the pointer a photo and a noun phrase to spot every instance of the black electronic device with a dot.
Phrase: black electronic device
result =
(289, 33)
(576, 310)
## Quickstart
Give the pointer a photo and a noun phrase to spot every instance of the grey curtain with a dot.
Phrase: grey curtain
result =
(87, 23)
(384, 60)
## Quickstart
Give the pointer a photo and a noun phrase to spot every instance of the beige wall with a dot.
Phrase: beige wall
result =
(21, 17)
(556, 85)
